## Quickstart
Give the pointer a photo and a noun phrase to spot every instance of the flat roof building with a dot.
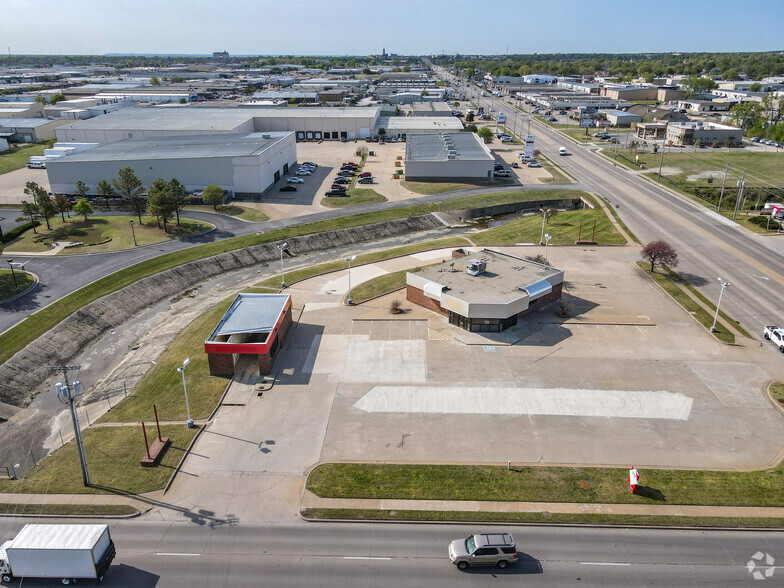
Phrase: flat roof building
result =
(242, 164)
(402, 126)
(621, 118)
(29, 130)
(688, 133)
(450, 156)
(249, 336)
(486, 291)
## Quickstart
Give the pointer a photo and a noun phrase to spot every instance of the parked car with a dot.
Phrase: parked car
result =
(364, 175)
(335, 193)
(533, 164)
(349, 163)
(365, 180)
(504, 173)
(338, 187)
(36, 165)
(775, 334)
(309, 163)
(303, 172)
(514, 165)
(288, 189)
(295, 180)
(498, 166)
(483, 549)
(562, 112)
(349, 167)
(346, 173)
(507, 140)
(341, 180)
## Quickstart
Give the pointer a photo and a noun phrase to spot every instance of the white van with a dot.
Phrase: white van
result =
(562, 151)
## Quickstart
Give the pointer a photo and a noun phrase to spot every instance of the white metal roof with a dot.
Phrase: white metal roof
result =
(58, 537)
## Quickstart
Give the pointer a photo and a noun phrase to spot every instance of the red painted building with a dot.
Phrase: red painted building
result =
(255, 325)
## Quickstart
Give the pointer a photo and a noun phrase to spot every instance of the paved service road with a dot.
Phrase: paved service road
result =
(224, 553)
(60, 275)
(709, 246)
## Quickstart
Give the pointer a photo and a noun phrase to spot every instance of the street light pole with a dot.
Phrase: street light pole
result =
(133, 232)
(13, 274)
(544, 218)
(282, 274)
(546, 243)
(718, 305)
(661, 162)
(189, 422)
(349, 260)
(67, 395)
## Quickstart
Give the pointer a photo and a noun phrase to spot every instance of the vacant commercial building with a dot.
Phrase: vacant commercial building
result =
(403, 126)
(29, 130)
(621, 118)
(486, 291)
(448, 156)
(249, 336)
(688, 133)
(245, 165)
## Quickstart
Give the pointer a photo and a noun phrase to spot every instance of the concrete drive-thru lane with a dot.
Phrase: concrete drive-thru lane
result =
(709, 246)
(207, 552)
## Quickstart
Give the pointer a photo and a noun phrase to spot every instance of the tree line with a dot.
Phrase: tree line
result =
(164, 199)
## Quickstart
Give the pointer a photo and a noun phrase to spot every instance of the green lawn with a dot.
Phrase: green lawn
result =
(7, 288)
(162, 384)
(547, 484)
(436, 187)
(107, 233)
(378, 286)
(557, 174)
(541, 518)
(18, 157)
(247, 213)
(355, 197)
(113, 455)
(705, 318)
(563, 228)
(106, 510)
(29, 329)
(777, 392)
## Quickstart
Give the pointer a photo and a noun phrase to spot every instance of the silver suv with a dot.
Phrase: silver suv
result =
(483, 549)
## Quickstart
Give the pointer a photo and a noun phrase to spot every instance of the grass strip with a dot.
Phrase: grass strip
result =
(17, 157)
(14, 339)
(623, 224)
(558, 175)
(353, 197)
(777, 392)
(292, 277)
(14, 509)
(541, 518)
(379, 286)
(113, 455)
(668, 284)
(436, 187)
(7, 287)
(547, 484)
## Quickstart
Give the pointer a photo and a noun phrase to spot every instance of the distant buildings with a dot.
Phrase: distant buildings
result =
(689, 133)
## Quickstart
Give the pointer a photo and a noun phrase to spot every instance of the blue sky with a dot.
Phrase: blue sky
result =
(360, 27)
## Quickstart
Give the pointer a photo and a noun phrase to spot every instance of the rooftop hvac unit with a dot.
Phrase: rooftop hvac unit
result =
(476, 267)
(266, 136)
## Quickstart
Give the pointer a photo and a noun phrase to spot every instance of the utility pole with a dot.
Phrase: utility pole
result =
(661, 162)
(723, 183)
(742, 184)
(67, 395)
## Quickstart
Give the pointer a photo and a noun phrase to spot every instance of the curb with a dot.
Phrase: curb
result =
(30, 288)
(137, 514)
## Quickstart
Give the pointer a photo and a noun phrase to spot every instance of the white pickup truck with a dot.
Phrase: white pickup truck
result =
(775, 334)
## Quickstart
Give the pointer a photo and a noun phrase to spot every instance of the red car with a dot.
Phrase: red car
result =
(350, 163)
(337, 187)
(364, 175)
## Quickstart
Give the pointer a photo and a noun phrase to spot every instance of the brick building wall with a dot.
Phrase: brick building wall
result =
(221, 364)
(417, 296)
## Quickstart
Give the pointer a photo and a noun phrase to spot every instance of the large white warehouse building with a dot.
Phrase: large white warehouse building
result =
(244, 164)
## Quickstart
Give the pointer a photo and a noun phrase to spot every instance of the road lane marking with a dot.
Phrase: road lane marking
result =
(181, 554)
(603, 563)
(363, 557)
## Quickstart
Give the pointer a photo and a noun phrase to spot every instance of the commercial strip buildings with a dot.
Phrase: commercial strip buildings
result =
(242, 164)
(485, 292)
(688, 133)
(29, 130)
(452, 156)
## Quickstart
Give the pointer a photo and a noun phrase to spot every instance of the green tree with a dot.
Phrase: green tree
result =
(697, 85)
(486, 134)
(755, 87)
(160, 203)
(471, 128)
(406, 68)
(41, 98)
(62, 204)
(183, 101)
(367, 71)
(104, 188)
(83, 207)
(154, 81)
(470, 117)
(81, 189)
(130, 189)
(179, 196)
(43, 201)
(177, 79)
(29, 211)
(730, 74)
(213, 195)
(57, 98)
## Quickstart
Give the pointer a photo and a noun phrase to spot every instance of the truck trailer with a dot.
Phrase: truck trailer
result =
(67, 552)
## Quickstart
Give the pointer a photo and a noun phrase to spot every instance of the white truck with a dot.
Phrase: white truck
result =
(68, 552)
(775, 334)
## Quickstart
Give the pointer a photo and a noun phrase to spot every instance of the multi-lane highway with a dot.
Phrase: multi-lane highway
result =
(208, 552)
(709, 246)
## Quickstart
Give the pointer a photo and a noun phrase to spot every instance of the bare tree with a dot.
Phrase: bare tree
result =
(659, 253)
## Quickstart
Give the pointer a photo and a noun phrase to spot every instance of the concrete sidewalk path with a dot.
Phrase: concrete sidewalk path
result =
(310, 500)
(11, 498)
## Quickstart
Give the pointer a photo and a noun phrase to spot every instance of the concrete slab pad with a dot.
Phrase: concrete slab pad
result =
(385, 361)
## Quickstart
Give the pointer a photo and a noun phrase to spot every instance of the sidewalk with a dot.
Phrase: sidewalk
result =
(310, 500)
(11, 498)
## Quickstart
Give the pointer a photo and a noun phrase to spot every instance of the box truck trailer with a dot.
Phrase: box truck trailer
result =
(67, 552)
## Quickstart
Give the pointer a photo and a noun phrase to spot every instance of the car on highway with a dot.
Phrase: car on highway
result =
(341, 180)
(288, 189)
(483, 549)
(365, 180)
(335, 193)
(303, 172)
(775, 334)
(295, 180)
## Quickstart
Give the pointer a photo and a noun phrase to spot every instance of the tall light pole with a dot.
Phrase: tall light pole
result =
(718, 304)
(185, 363)
(741, 185)
(67, 395)
(546, 243)
(133, 232)
(349, 260)
(661, 163)
(13, 274)
(282, 274)
(545, 212)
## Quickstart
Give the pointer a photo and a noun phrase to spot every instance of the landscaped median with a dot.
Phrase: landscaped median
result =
(544, 484)
(14, 283)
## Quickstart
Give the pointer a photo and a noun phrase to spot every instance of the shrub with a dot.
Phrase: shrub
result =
(9, 236)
